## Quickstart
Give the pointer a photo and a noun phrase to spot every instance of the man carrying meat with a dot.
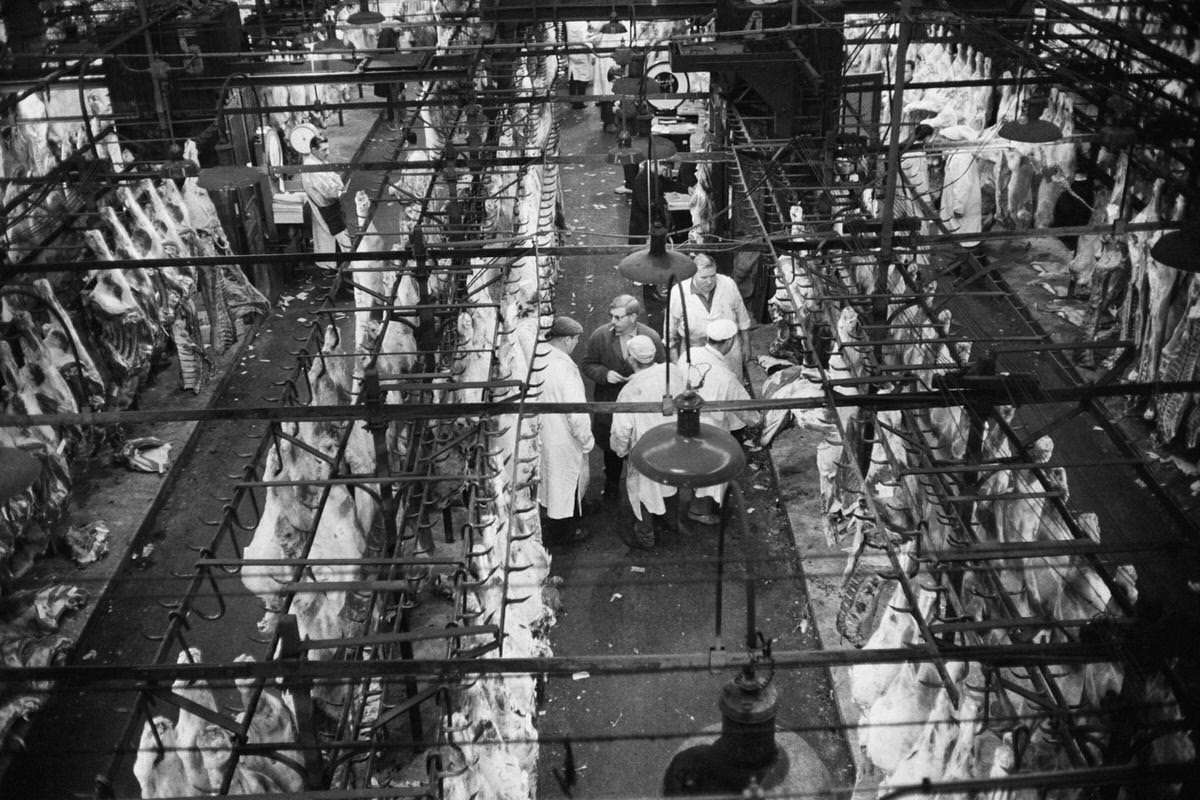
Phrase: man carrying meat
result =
(713, 381)
(606, 364)
(566, 438)
(648, 383)
(324, 191)
(707, 297)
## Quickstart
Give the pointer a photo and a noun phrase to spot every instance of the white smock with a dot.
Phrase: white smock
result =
(726, 303)
(579, 64)
(627, 428)
(323, 188)
(713, 381)
(565, 438)
(601, 83)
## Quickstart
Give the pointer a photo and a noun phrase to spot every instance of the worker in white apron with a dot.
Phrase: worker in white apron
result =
(324, 191)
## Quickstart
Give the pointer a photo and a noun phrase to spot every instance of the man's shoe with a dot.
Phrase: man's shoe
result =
(623, 189)
(575, 536)
(641, 537)
(703, 517)
(610, 128)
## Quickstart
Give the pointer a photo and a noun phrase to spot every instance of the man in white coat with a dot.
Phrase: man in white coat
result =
(566, 438)
(579, 61)
(713, 381)
(707, 297)
(648, 383)
(324, 191)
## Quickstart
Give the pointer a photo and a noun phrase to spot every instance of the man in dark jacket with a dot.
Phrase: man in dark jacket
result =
(605, 363)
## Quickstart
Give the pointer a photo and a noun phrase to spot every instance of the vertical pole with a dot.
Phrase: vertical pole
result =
(298, 691)
(892, 165)
(161, 111)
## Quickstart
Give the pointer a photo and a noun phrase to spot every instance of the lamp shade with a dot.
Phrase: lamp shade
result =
(1036, 131)
(656, 264)
(689, 453)
(1179, 249)
(662, 148)
(364, 16)
(18, 471)
(228, 177)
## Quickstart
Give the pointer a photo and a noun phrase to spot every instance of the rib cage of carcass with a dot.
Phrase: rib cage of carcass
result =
(486, 558)
(99, 354)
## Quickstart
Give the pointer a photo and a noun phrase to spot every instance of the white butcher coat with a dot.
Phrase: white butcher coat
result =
(627, 428)
(579, 64)
(962, 194)
(718, 384)
(601, 84)
(323, 188)
(726, 303)
(566, 438)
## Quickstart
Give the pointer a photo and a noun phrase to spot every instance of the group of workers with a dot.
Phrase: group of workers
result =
(627, 362)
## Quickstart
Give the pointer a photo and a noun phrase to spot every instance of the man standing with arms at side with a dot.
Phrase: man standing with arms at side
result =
(707, 297)
(566, 438)
(648, 383)
(713, 381)
(606, 364)
(324, 191)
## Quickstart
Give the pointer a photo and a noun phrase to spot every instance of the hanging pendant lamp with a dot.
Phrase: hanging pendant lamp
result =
(364, 15)
(689, 452)
(1179, 249)
(656, 264)
(1029, 126)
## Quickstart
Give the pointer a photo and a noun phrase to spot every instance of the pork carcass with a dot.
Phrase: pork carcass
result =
(215, 748)
(897, 627)
(273, 722)
(785, 380)
(190, 727)
(159, 766)
(894, 722)
(289, 527)
(930, 753)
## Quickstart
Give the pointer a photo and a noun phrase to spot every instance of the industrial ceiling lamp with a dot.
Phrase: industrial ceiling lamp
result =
(656, 264)
(1029, 126)
(364, 15)
(689, 453)
(18, 471)
(1179, 249)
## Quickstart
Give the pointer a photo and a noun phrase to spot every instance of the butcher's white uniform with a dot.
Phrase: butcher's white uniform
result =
(579, 64)
(726, 303)
(718, 384)
(566, 438)
(323, 188)
(962, 197)
(601, 83)
(627, 428)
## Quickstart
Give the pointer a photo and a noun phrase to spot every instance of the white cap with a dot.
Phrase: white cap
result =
(642, 349)
(720, 330)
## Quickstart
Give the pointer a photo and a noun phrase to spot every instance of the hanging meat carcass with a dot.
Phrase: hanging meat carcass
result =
(159, 765)
(126, 335)
(289, 518)
(68, 352)
(273, 722)
(190, 726)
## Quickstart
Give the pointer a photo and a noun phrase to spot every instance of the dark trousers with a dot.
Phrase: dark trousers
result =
(577, 89)
(606, 113)
(602, 432)
(631, 172)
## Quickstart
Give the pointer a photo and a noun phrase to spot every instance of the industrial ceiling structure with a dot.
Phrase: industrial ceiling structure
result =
(861, 165)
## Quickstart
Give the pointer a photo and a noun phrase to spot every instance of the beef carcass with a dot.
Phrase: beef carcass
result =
(897, 627)
(929, 755)
(40, 376)
(22, 399)
(159, 766)
(126, 335)
(68, 352)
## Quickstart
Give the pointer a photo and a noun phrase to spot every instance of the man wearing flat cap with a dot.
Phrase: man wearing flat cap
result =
(648, 383)
(566, 439)
(710, 377)
(606, 364)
